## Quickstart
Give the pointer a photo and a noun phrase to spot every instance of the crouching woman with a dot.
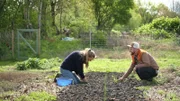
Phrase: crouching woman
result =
(72, 66)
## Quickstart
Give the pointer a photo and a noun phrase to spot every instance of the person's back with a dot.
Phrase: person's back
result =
(72, 66)
(73, 61)
(143, 57)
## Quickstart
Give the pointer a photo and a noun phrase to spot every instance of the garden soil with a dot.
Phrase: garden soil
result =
(100, 87)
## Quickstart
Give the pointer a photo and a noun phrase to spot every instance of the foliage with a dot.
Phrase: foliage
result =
(111, 12)
(37, 96)
(168, 24)
(145, 30)
(36, 63)
(160, 28)
(4, 50)
(135, 21)
(165, 11)
(147, 11)
(79, 26)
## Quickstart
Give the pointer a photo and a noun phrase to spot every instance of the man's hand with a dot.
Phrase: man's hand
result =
(134, 69)
(121, 79)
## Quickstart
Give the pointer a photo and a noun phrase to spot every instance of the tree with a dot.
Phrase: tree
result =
(111, 12)
(164, 11)
(175, 6)
(148, 11)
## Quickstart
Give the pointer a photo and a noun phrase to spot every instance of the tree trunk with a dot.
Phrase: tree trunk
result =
(61, 12)
(53, 14)
(43, 26)
(2, 5)
(53, 4)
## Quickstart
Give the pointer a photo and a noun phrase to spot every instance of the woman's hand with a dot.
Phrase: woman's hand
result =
(84, 80)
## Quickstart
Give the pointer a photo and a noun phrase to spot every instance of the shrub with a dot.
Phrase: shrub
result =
(160, 28)
(167, 24)
(35, 63)
(21, 66)
(146, 30)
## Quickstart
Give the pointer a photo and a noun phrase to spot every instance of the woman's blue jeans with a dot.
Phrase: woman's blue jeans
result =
(69, 74)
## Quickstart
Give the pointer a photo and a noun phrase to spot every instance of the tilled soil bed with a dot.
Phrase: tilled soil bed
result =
(102, 87)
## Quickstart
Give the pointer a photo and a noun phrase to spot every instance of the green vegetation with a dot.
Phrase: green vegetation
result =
(161, 28)
(59, 48)
(109, 65)
(37, 96)
(35, 63)
(172, 97)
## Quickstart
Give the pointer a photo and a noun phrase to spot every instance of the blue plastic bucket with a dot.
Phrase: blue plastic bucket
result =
(64, 81)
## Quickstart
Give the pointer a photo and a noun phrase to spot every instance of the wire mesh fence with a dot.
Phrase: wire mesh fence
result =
(115, 46)
(110, 46)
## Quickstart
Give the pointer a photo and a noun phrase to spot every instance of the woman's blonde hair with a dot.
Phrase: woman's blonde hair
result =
(88, 53)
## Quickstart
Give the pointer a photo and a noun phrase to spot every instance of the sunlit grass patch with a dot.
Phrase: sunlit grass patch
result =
(109, 65)
(37, 96)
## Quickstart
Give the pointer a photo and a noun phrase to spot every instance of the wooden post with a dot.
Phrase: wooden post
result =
(39, 21)
(39, 41)
(13, 43)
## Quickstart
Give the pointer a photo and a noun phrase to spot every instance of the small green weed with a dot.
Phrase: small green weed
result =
(161, 92)
(172, 97)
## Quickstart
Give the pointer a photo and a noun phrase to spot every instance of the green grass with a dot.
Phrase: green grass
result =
(172, 97)
(7, 63)
(37, 96)
(59, 48)
(109, 65)
(168, 62)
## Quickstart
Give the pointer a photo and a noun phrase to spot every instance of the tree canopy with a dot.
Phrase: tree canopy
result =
(110, 12)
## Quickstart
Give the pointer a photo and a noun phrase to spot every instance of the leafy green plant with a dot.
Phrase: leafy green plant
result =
(161, 92)
(36, 63)
(21, 66)
(172, 97)
(33, 63)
